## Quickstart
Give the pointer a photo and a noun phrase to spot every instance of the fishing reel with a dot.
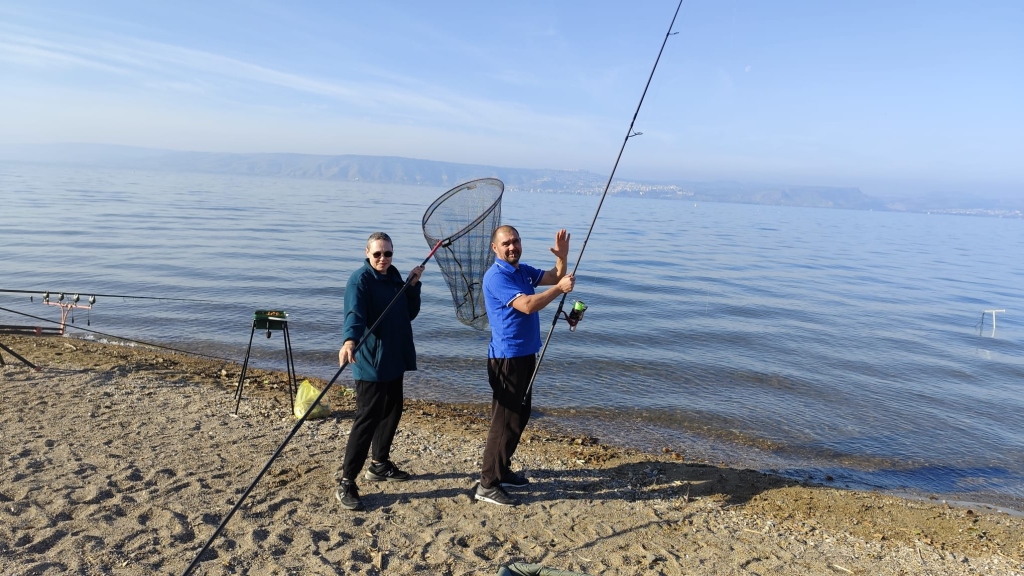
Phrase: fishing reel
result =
(575, 316)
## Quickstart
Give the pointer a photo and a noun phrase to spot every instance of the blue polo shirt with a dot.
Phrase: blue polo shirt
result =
(512, 332)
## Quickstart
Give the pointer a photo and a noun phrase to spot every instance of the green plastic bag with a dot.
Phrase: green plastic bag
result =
(304, 399)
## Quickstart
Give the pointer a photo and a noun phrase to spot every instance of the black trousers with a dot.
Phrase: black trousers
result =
(508, 378)
(378, 410)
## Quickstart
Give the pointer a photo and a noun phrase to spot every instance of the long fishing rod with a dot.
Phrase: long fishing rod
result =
(16, 355)
(124, 296)
(118, 337)
(629, 134)
(295, 429)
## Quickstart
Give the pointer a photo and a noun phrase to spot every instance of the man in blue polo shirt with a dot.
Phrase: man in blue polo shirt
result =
(512, 310)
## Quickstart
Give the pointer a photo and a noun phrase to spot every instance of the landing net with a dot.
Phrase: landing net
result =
(463, 219)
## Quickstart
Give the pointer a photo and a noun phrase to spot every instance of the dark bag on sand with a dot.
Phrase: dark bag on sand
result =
(524, 569)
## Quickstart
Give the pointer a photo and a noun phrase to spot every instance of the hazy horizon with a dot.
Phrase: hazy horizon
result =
(22, 153)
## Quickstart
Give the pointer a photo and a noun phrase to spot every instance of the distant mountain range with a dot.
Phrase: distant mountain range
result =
(408, 171)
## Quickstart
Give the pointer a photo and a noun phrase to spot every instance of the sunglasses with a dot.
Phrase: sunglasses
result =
(387, 254)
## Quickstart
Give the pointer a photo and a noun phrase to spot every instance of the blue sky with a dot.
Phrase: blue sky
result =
(893, 97)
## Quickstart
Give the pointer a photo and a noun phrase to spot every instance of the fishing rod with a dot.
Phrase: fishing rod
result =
(16, 355)
(629, 134)
(123, 296)
(295, 429)
(118, 337)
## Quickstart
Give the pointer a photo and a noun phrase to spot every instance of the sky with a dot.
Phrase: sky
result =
(906, 97)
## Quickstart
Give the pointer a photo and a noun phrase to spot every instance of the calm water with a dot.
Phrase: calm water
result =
(811, 342)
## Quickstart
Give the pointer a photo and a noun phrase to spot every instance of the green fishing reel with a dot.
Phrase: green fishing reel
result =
(575, 315)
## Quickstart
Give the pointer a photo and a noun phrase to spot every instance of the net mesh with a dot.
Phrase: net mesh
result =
(463, 219)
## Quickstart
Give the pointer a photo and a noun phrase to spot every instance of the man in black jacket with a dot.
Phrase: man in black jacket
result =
(379, 365)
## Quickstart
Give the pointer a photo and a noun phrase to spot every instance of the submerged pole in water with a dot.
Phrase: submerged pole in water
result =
(993, 313)
(629, 134)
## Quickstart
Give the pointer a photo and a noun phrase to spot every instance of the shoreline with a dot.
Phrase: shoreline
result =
(124, 459)
(813, 472)
(735, 450)
(727, 448)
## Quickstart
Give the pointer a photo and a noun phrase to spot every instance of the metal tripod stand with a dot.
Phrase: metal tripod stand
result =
(270, 320)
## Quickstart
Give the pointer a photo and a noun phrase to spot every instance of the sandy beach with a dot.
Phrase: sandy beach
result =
(123, 460)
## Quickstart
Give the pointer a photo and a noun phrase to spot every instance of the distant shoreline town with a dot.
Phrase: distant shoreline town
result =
(408, 171)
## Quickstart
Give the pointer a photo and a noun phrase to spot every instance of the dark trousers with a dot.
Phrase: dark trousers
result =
(378, 410)
(508, 378)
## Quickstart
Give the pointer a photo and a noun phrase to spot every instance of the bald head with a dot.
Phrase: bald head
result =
(503, 230)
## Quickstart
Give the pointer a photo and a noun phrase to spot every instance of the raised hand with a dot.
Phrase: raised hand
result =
(561, 247)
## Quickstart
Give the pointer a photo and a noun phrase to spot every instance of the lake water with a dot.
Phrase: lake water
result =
(811, 342)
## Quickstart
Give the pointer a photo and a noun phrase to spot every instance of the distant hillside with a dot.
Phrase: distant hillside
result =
(409, 171)
(347, 167)
(782, 195)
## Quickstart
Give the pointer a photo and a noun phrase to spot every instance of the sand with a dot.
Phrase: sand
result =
(123, 460)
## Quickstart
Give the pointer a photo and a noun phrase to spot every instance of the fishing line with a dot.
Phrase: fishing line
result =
(295, 429)
(124, 296)
(120, 337)
(629, 134)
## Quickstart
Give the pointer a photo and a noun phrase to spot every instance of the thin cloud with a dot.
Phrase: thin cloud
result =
(27, 54)
(164, 66)
(180, 87)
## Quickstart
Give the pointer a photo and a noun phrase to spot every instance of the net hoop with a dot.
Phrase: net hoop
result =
(446, 241)
(459, 225)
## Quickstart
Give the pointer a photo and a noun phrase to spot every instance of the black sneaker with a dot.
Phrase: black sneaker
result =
(495, 495)
(348, 495)
(514, 480)
(386, 470)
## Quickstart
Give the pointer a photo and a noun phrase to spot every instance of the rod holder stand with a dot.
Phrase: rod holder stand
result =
(270, 320)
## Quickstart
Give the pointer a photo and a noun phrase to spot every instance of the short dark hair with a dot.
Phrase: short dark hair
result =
(502, 228)
(379, 236)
